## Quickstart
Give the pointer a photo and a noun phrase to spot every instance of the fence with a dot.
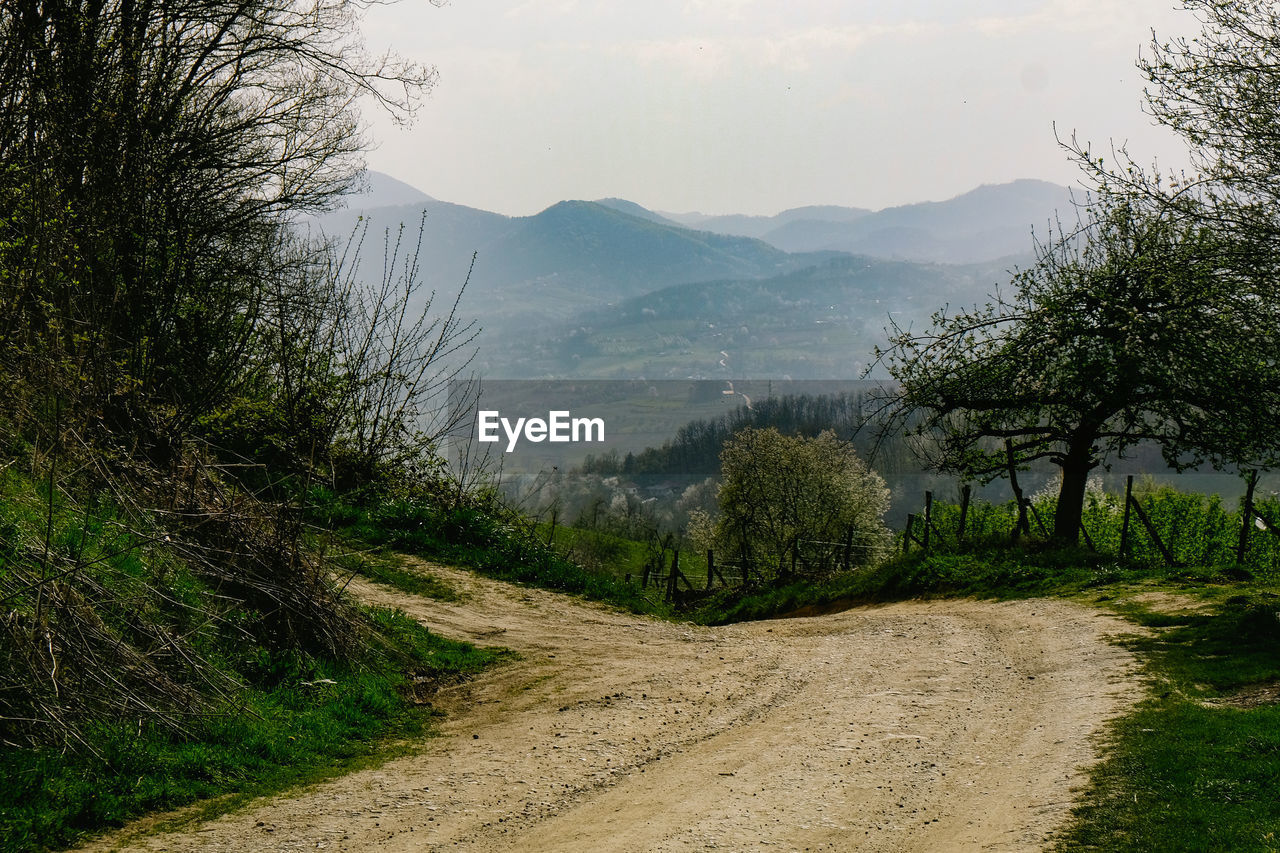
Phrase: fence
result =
(669, 578)
(1174, 528)
(804, 558)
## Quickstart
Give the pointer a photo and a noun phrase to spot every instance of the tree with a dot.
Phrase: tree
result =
(778, 490)
(1217, 91)
(154, 155)
(1128, 330)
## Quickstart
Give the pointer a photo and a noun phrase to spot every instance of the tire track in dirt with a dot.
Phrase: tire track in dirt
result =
(951, 725)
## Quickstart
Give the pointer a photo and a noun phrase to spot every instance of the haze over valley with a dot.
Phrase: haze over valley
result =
(610, 289)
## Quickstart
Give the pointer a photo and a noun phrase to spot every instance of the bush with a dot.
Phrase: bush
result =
(781, 494)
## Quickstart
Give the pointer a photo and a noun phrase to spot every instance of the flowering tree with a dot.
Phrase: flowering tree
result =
(777, 490)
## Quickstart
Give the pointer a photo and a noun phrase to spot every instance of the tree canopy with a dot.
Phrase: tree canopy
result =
(154, 155)
(1217, 91)
(1128, 330)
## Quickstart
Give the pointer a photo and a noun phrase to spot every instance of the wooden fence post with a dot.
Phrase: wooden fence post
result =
(1088, 540)
(711, 567)
(644, 578)
(928, 519)
(1251, 481)
(848, 548)
(1155, 537)
(964, 510)
(681, 576)
(1024, 524)
(1124, 527)
(906, 533)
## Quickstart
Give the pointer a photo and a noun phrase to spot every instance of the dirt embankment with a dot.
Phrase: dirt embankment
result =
(953, 725)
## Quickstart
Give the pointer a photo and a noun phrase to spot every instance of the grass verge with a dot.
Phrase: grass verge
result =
(1196, 766)
(487, 539)
(390, 568)
(315, 721)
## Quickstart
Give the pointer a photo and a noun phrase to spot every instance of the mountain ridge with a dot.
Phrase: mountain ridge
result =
(569, 266)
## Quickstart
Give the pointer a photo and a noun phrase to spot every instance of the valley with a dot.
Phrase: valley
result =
(610, 289)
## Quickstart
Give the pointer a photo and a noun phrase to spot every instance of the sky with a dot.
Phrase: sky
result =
(748, 106)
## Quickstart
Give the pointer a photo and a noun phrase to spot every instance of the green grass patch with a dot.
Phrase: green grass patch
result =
(317, 721)
(986, 571)
(485, 538)
(392, 569)
(1196, 767)
(602, 551)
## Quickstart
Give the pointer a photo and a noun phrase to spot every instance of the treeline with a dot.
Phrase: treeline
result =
(695, 449)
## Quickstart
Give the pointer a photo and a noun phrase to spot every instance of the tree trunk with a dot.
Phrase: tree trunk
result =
(1076, 465)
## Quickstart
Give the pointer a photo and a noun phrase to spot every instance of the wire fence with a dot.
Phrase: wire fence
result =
(1154, 525)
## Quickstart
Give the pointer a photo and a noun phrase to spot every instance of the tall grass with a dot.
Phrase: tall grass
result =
(130, 682)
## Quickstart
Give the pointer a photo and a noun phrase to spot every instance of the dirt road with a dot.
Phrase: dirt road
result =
(937, 726)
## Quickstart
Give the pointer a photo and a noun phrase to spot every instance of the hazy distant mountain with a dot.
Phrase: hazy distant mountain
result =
(619, 255)
(571, 256)
(611, 289)
(374, 189)
(633, 209)
(989, 222)
(759, 226)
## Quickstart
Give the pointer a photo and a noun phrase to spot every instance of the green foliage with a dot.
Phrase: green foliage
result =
(482, 535)
(780, 493)
(1201, 533)
(695, 448)
(1128, 330)
(159, 622)
(1197, 529)
(1213, 90)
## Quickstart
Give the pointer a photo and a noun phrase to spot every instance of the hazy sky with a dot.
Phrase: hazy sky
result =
(738, 106)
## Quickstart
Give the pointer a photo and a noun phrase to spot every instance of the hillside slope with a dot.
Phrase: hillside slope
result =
(821, 322)
(986, 223)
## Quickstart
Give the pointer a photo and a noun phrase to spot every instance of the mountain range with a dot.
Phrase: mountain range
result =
(983, 224)
(611, 288)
